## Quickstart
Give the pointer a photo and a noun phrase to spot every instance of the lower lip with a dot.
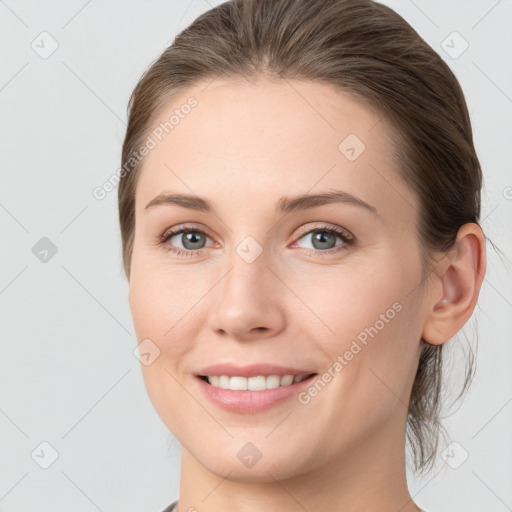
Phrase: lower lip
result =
(248, 402)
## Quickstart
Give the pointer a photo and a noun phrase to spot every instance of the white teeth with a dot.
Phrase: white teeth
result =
(273, 381)
(258, 383)
(238, 383)
(286, 380)
(215, 381)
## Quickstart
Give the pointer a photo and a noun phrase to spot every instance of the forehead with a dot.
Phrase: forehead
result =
(269, 138)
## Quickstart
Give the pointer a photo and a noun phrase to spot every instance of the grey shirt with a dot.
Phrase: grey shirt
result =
(170, 508)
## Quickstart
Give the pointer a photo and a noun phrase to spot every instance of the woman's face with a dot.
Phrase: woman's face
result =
(260, 279)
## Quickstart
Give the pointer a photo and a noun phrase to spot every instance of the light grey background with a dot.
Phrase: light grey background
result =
(68, 375)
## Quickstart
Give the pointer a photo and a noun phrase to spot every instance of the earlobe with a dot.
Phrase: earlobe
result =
(458, 280)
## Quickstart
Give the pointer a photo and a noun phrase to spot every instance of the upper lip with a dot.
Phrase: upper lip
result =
(252, 370)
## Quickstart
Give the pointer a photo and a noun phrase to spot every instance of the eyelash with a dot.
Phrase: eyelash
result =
(346, 238)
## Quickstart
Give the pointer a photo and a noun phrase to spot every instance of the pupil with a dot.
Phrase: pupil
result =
(191, 237)
(321, 238)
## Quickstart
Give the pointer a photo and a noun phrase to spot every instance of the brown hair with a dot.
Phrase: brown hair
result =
(368, 50)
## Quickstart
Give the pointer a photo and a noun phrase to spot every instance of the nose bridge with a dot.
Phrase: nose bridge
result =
(248, 275)
(246, 298)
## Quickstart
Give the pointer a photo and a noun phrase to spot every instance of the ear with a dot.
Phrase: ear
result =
(459, 276)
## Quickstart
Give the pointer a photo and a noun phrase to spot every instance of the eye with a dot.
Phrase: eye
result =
(192, 239)
(323, 239)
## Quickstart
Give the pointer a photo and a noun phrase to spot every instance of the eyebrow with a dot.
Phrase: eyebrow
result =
(284, 205)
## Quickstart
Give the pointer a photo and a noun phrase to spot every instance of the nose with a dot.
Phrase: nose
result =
(247, 303)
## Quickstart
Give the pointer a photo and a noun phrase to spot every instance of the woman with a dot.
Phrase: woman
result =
(299, 213)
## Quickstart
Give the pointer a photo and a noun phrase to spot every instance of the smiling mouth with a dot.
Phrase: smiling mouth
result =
(257, 383)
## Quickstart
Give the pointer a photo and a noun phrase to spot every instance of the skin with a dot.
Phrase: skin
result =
(243, 147)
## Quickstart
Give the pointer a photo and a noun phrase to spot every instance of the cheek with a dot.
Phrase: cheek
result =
(375, 334)
(168, 307)
(158, 310)
(160, 296)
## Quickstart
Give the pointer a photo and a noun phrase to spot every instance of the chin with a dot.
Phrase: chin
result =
(243, 461)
